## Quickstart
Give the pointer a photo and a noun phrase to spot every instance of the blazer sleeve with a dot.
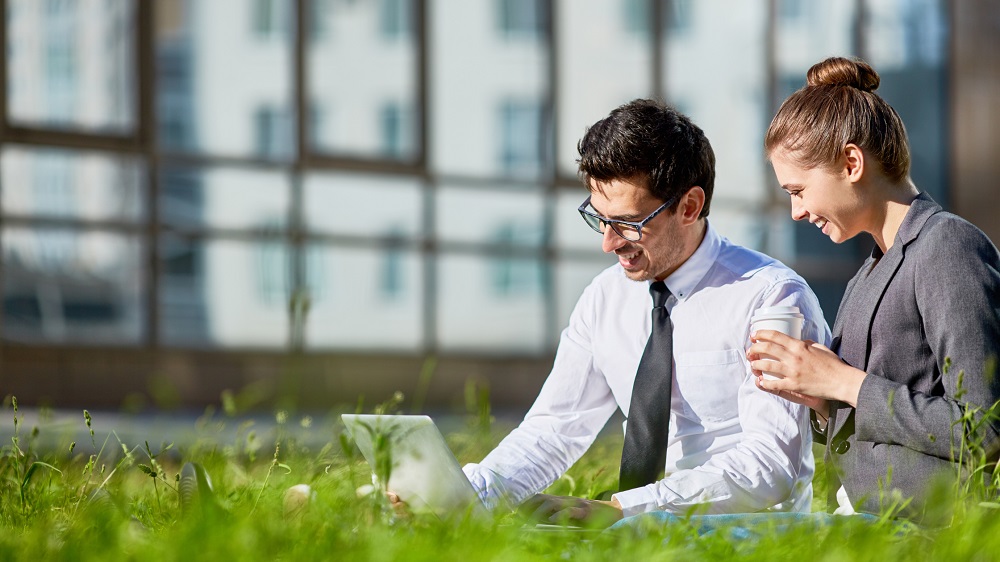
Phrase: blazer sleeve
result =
(957, 289)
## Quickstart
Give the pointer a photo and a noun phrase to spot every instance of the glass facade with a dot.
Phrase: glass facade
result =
(388, 175)
(71, 66)
(362, 90)
(724, 90)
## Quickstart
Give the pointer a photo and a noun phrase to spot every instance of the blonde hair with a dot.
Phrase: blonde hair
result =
(838, 106)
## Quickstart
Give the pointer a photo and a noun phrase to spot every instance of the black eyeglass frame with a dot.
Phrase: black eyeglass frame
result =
(594, 220)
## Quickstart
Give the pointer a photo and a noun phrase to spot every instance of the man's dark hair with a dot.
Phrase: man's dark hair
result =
(652, 144)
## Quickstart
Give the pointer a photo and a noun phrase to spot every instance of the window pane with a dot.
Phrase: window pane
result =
(489, 89)
(490, 304)
(86, 186)
(362, 58)
(224, 77)
(571, 233)
(745, 226)
(341, 203)
(360, 298)
(906, 42)
(722, 85)
(70, 64)
(604, 61)
(72, 286)
(224, 292)
(491, 217)
(806, 33)
(224, 198)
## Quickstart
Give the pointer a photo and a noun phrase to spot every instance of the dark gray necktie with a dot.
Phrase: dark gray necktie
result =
(645, 452)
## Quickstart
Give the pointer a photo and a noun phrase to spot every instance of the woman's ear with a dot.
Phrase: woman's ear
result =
(854, 162)
(691, 204)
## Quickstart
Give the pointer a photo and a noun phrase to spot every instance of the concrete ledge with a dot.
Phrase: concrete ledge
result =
(137, 378)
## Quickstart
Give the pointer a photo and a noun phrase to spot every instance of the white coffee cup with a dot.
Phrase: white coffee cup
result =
(785, 319)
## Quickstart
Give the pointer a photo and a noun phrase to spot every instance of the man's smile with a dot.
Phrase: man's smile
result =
(628, 260)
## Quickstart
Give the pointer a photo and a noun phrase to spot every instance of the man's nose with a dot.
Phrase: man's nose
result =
(612, 241)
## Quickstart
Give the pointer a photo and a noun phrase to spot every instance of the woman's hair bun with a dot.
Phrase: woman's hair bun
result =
(838, 71)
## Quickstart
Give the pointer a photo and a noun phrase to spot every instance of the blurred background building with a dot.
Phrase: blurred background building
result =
(324, 199)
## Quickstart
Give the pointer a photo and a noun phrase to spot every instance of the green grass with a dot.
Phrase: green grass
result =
(45, 513)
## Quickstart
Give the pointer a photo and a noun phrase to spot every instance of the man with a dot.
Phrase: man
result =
(729, 448)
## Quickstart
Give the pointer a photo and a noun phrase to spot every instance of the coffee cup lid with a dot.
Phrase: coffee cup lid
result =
(777, 312)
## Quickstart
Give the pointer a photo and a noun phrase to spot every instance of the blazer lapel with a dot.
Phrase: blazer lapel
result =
(867, 304)
(880, 276)
(837, 331)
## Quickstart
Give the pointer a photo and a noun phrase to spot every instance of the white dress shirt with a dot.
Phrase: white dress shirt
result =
(732, 447)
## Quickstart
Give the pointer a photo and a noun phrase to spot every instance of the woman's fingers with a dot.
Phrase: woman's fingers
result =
(776, 387)
(764, 349)
(770, 366)
(770, 385)
(792, 361)
(771, 336)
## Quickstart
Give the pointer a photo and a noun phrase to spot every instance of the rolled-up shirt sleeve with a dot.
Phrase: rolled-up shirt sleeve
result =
(573, 406)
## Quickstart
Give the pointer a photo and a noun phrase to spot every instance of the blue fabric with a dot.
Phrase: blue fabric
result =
(739, 525)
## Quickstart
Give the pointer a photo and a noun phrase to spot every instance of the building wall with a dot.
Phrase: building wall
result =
(188, 259)
(975, 115)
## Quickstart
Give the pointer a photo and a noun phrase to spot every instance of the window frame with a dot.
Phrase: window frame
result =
(143, 143)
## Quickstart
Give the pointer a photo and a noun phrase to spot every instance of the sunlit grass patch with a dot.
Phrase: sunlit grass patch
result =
(121, 502)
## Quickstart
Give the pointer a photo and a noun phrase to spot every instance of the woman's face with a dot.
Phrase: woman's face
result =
(826, 197)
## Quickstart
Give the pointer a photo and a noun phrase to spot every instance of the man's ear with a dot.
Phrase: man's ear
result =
(691, 205)
(854, 162)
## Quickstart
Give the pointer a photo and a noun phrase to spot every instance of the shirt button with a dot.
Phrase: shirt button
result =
(841, 448)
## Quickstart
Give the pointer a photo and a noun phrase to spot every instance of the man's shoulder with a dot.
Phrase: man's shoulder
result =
(608, 277)
(772, 283)
(745, 263)
(607, 282)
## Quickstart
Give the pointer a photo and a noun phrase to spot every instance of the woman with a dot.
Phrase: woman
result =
(903, 397)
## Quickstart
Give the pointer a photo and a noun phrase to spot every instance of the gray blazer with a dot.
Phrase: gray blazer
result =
(933, 297)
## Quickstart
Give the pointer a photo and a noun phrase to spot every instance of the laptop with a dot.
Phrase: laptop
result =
(423, 472)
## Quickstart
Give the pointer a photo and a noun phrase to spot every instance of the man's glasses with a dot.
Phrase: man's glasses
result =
(631, 231)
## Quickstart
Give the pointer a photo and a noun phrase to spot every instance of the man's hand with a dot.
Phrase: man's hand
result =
(564, 510)
(399, 506)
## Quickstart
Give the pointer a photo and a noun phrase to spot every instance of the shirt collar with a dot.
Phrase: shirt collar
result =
(683, 281)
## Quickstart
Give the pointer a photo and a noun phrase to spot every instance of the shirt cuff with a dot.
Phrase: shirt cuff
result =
(490, 487)
(636, 501)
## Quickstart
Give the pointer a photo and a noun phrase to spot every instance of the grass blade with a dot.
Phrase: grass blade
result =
(30, 472)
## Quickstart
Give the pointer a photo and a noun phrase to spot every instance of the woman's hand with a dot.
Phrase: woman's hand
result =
(809, 373)
(820, 405)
